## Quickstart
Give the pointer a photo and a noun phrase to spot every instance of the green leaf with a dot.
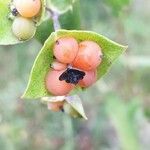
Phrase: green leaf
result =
(76, 103)
(44, 30)
(36, 85)
(60, 6)
(6, 35)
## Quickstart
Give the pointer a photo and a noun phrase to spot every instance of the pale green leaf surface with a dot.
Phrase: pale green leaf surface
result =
(76, 103)
(6, 35)
(60, 6)
(36, 85)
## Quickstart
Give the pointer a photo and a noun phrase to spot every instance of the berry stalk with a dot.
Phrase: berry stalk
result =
(55, 18)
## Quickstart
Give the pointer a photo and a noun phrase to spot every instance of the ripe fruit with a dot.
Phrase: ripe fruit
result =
(65, 49)
(55, 86)
(55, 106)
(23, 28)
(89, 79)
(70, 110)
(28, 8)
(58, 66)
(89, 56)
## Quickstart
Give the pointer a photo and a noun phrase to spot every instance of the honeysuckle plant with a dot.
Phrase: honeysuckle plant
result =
(18, 25)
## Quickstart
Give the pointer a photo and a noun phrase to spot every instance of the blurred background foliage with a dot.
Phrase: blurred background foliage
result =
(118, 106)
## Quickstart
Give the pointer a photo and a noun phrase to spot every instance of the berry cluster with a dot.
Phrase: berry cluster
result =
(75, 64)
(24, 11)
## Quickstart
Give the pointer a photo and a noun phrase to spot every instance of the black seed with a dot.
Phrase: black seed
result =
(63, 76)
(54, 57)
(72, 76)
(14, 12)
(57, 42)
(62, 110)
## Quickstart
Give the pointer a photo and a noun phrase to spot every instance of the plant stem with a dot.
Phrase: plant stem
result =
(55, 18)
(69, 134)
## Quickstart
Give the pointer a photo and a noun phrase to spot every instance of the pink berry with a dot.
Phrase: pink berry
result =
(89, 56)
(65, 49)
(55, 106)
(55, 86)
(58, 66)
(89, 79)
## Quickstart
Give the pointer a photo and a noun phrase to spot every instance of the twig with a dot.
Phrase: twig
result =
(55, 18)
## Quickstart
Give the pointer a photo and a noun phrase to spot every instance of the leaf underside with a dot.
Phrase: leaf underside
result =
(36, 85)
(60, 6)
(76, 103)
(6, 35)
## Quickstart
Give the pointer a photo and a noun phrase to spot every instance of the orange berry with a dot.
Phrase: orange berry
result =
(89, 79)
(28, 8)
(58, 66)
(55, 106)
(65, 49)
(55, 86)
(89, 56)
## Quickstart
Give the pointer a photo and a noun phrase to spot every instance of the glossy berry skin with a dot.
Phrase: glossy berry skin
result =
(89, 56)
(65, 49)
(55, 106)
(89, 79)
(55, 86)
(58, 65)
(23, 28)
(28, 8)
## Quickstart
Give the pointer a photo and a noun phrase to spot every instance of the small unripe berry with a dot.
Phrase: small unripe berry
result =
(89, 56)
(65, 49)
(23, 28)
(70, 110)
(55, 106)
(55, 86)
(28, 8)
(89, 79)
(58, 65)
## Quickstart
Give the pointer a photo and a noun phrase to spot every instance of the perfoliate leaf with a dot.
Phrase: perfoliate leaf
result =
(36, 85)
(60, 6)
(76, 103)
(6, 35)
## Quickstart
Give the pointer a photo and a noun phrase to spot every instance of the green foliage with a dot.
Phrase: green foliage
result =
(28, 125)
(123, 120)
(60, 6)
(69, 20)
(36, 85)
(44, 30)
(117, 5)
(6, 35)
